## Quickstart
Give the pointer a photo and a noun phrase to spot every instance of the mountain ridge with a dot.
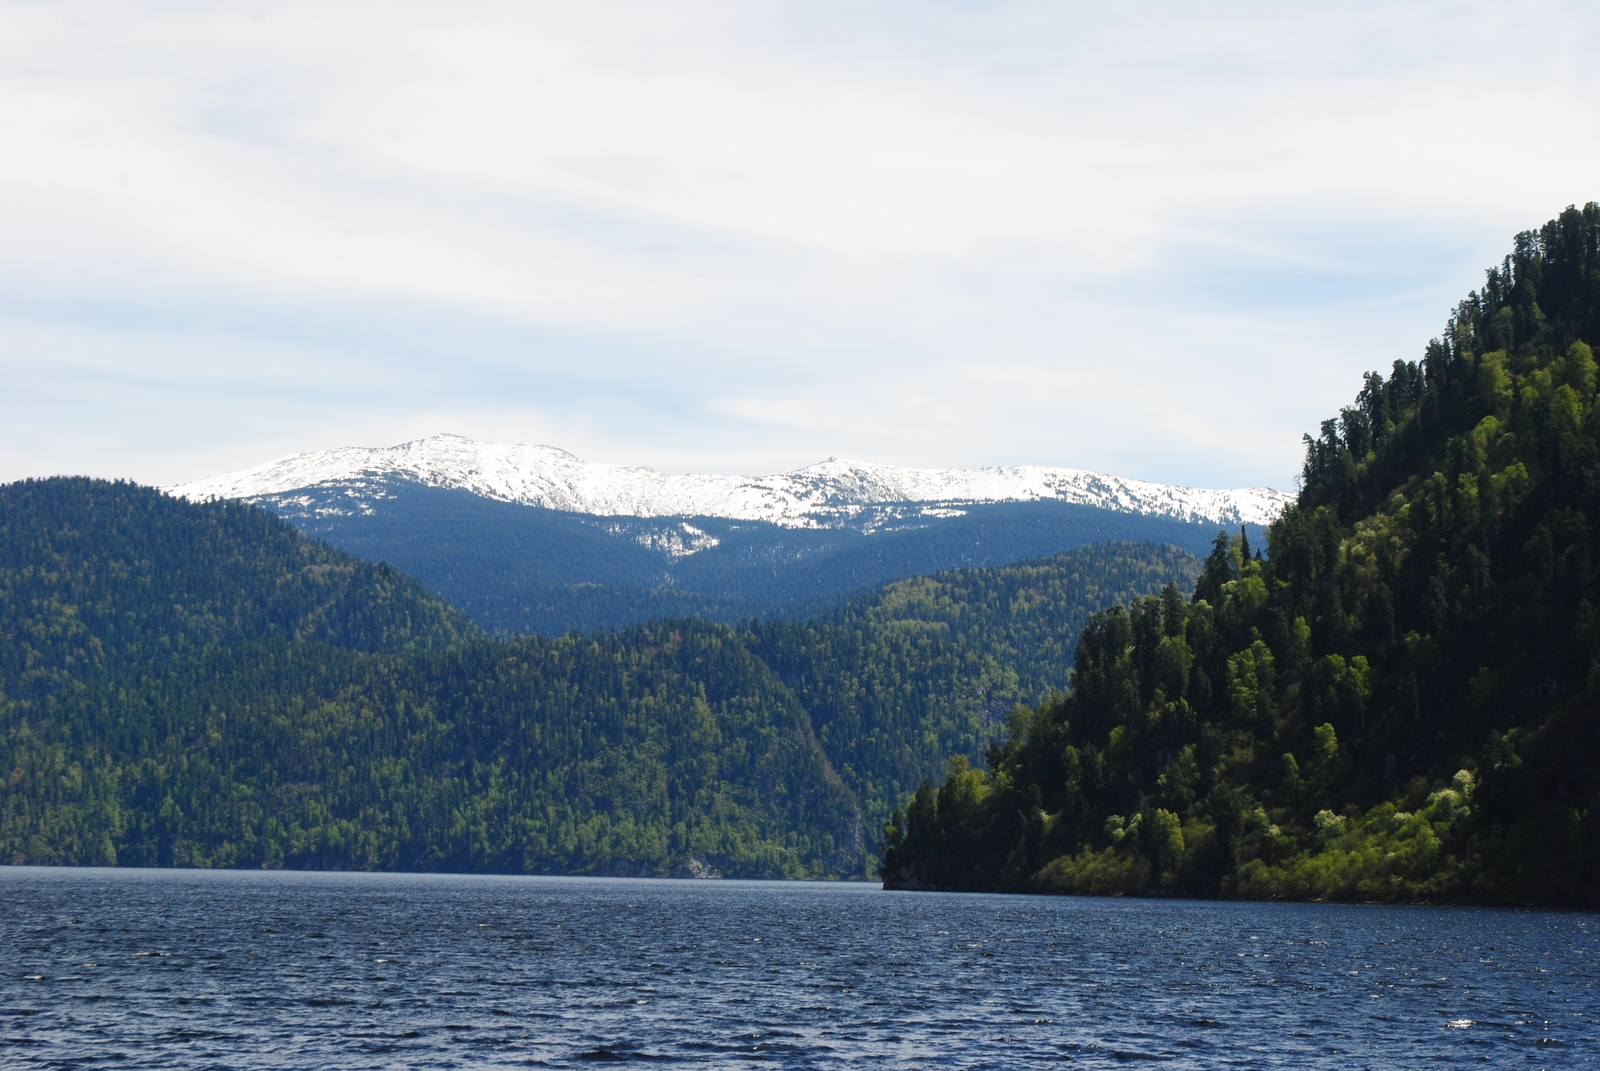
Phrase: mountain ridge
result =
(829, 493)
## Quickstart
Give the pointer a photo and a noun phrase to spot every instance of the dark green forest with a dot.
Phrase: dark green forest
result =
(1400, 701)
(202, 685)
(899, 681)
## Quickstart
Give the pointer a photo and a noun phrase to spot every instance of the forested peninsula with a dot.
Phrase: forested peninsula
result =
(191, 684)
(1400, 700)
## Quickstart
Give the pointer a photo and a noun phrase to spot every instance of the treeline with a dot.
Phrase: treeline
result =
(200, 685)
(1400, 702)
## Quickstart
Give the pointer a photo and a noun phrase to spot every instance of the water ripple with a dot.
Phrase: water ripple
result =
(250, 970)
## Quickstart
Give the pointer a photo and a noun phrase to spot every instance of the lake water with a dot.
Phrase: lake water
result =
(194, 969)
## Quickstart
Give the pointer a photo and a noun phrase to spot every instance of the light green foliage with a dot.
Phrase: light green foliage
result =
(1387, 854)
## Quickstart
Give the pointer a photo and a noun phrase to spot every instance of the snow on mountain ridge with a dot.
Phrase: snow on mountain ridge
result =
(545, 476)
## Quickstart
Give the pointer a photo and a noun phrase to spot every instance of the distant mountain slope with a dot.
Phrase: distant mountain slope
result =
(519, 569)
(831, 492)
(530, 539)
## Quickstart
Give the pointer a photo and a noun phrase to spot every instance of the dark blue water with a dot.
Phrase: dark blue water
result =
(243, 970)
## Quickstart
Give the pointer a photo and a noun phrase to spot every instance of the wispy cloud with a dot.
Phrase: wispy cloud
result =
(1158, 239)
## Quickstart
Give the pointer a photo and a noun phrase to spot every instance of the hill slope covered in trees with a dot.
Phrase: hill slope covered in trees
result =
(1402, 701)
(201, 685)
(899, 680)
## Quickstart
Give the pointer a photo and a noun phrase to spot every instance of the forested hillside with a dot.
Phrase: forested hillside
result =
(1401, 701)
(96, 578)
(202, 685)
(950, 654)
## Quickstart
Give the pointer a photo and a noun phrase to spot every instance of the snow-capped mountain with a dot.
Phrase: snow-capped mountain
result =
(527, 538)
(823, 495)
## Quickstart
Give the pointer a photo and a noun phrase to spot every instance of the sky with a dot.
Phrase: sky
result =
(1160, 240)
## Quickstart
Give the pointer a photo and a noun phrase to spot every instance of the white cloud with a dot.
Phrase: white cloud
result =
(1158, 239)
